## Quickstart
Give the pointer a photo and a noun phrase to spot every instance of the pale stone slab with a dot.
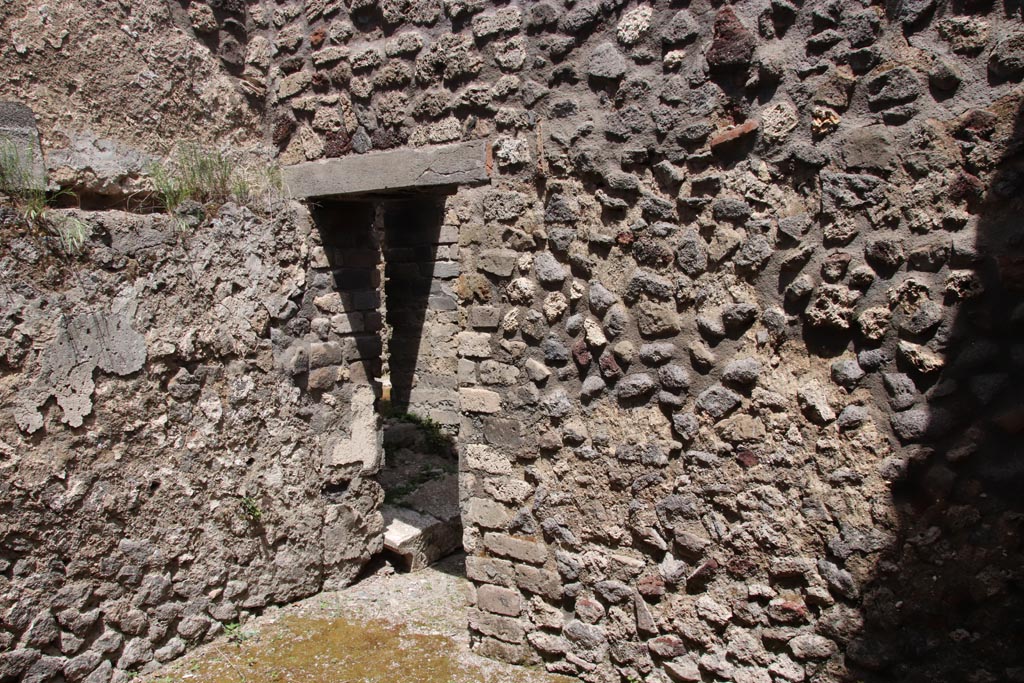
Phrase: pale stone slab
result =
(487, 513)
(365, 444)
(472, 400)
(486, 459)
(465, 163)
(419, 539)
(403, 526)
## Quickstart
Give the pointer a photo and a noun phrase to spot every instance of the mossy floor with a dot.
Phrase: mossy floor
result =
(390, 627)
(337, 650)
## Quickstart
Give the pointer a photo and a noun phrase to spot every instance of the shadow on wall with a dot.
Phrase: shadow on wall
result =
(411, 232)
(399, 237)
(350, 242)
(351, 233)
(947, 599)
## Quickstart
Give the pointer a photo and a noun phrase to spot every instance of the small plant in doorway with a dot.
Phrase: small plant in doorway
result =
(435, 439)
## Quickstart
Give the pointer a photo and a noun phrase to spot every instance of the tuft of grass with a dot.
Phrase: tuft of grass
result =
(250, 509)
(211, 179)
(169, 192)
(235, 633)
(71, 233)
(19, 184)
(16, 175)
(254, 185)
(33, 204)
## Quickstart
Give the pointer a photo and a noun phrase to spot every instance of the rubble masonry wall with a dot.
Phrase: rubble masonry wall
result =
(738, 333)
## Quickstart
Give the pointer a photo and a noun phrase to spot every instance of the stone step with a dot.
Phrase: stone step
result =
(419, 539)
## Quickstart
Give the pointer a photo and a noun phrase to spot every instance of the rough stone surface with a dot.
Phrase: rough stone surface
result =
(788, 184)
(733, 44)
(162, 540)
(606, 62)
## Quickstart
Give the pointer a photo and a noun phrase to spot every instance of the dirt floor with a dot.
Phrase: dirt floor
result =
(388, 627)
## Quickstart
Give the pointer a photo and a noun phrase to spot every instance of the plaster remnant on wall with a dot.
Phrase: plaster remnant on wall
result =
(89, 341)
(363, 446)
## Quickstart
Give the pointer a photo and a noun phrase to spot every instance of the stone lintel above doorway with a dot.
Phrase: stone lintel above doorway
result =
(464, 163)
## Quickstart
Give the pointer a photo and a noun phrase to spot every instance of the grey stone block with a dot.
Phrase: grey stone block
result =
(508, 629)
(499, 600)
(515, 548)
(464, 163)
(18, 131)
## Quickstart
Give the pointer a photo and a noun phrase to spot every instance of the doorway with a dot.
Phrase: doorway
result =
(394, 265)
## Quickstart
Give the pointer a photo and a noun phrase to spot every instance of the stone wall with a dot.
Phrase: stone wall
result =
(184, 438)
(737, 336)
(112, 83)
(737, 359)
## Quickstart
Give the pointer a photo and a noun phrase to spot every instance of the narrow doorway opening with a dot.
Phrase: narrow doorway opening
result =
(393, 253)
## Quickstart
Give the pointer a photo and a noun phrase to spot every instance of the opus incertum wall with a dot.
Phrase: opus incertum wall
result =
(738, 354)
(736, 343)
(176, 438)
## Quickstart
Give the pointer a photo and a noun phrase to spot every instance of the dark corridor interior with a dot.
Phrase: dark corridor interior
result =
(392, 245)
(403, 232)
(411, 228)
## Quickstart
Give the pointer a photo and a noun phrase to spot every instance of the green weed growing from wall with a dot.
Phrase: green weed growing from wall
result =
(212, 179)
(32, 204)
